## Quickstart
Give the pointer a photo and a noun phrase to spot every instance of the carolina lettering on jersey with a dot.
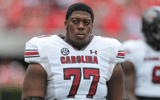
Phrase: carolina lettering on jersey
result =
(78, 59)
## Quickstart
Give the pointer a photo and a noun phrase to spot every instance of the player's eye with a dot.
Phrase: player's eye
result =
(87, 23)
(75, 21)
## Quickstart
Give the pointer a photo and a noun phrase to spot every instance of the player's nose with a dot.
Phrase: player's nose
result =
(81, 26)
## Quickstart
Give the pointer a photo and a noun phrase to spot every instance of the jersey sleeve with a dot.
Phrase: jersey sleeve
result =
(120, 57)
(31, 54)
(117, 56)
(34, 52)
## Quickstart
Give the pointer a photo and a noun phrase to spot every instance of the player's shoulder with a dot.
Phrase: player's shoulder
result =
(107, 40)
(111, 47)
(41, 38)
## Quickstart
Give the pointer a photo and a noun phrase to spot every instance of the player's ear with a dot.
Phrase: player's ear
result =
(65, 24)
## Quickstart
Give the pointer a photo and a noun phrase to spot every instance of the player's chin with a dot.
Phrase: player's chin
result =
(80, 42)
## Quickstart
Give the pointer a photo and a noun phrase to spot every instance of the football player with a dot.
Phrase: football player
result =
(78, 66)
(142, 66)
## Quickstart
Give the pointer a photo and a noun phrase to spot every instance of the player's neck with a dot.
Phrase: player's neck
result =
(78, 46)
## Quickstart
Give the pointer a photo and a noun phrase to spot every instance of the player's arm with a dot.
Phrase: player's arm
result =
(129, 76)
(35, 81)
(116, 90)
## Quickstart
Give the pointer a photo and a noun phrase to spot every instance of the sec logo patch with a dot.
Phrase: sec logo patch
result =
(64, 51)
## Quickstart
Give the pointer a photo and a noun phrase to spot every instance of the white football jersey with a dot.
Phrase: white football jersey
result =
(75, 74)
(147, 67)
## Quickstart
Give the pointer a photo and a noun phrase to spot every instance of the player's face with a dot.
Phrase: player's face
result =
(79, 28)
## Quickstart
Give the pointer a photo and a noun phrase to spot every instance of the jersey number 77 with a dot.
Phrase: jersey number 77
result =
(87, 72)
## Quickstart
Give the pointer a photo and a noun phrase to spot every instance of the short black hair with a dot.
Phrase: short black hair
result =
(79, 7)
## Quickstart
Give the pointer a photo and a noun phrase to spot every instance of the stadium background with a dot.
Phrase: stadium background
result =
(20, 20)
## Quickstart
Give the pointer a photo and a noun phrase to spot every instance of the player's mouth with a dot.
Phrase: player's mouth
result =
(80, 35)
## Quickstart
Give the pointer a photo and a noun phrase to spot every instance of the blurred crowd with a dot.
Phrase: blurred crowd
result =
(114, 18)
(11, 73)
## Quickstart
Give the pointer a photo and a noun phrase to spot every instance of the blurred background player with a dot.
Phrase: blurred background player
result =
(74, 67)
(142, 66)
